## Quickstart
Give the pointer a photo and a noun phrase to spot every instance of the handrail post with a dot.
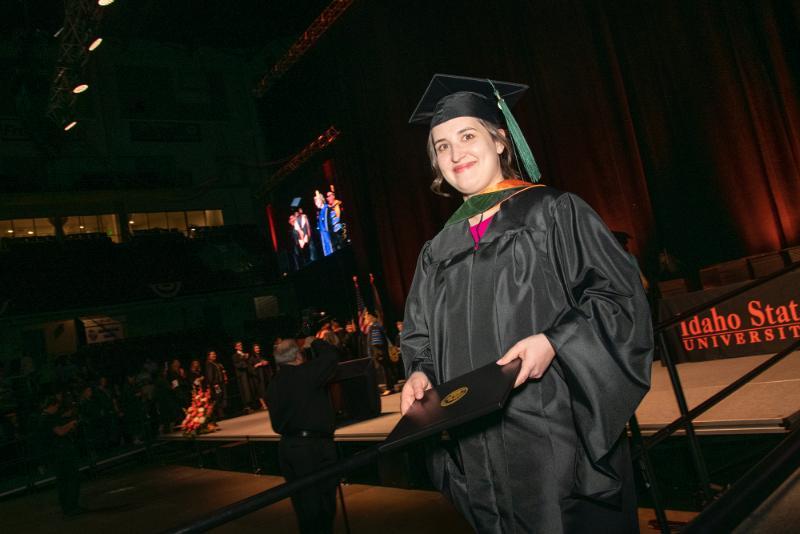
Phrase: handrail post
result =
(694, 445)
(344, 508)
(649, 475)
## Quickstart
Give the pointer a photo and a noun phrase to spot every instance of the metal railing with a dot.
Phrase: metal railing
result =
(724, 514)
(778, 461)
(687, 416)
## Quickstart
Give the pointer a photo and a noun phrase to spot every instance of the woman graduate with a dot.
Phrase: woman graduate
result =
(525, 271)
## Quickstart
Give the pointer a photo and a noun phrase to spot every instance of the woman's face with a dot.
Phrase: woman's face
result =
(467, 155)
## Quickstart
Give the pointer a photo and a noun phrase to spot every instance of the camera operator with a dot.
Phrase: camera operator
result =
(57, 433)
(301, 412)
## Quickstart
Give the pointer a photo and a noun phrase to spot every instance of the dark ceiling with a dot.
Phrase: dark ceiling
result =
(255, 26)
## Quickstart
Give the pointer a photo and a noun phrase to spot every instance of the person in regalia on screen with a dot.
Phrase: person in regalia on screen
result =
(338, 234)
(324, 224)
(524, 271)
(307, 238)
(295, 252)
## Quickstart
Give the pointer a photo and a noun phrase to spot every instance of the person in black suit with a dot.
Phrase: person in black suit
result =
(301, 412)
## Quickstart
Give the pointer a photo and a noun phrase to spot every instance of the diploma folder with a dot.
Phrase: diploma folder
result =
(458, 401)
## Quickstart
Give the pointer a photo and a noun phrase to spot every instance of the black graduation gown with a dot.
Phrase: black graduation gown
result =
(241, 363)
(552, 461)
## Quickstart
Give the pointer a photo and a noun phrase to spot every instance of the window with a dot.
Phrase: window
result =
(43, 227)
(6, 228)
(108, 225)
(24, 228)
(182, 221)
(137, 221)
(196, 218)
(88, 224)
(214, 218)
(73, 224)
(176, 220)
(157, 219)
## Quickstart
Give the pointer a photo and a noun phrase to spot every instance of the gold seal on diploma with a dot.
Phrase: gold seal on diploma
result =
(454, 396)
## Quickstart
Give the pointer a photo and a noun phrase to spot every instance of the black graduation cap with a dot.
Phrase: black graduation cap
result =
(448, 97)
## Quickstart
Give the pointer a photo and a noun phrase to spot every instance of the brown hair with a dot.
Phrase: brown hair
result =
(506, 158)
(331, 338)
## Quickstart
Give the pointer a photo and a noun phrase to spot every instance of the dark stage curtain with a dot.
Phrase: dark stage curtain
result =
(677, 121)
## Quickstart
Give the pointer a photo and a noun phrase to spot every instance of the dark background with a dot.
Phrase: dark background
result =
(677, 121)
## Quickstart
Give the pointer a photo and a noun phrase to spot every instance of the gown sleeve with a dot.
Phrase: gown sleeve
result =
(414, 341)
(603, 339)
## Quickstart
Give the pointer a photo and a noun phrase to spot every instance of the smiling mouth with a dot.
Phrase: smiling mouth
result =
(463, 167)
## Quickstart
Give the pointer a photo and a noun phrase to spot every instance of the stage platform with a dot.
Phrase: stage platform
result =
(768, 404)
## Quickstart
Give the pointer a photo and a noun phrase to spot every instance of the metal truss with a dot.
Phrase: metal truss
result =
(321, 142)
(320, 25)
(81, 22)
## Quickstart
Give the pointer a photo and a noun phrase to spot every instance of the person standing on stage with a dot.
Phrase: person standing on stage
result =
(179, 386)
(261, 373)
(301, 412)
(523, 271)
(377, 349)
(196, 375)
(241, 363)
(217, 381)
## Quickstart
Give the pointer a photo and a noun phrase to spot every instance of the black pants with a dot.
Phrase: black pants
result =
(68, 481)
(315, 507)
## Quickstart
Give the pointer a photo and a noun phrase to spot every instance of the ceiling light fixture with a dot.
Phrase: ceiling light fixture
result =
(81, 87)
(70, 126)
(97, 42)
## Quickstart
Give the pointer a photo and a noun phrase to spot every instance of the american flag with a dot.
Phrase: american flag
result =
(376, 298)
(360, 307)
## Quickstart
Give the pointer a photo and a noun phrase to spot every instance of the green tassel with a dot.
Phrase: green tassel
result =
(517, 139)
